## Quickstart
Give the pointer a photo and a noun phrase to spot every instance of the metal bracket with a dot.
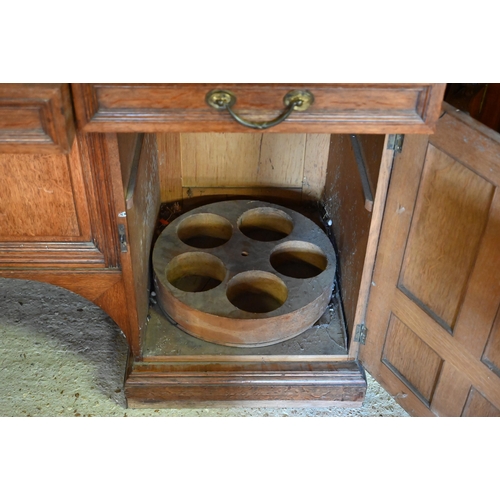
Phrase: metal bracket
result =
(395, 142)
(363, 172)
(122, 236)
(360, 334)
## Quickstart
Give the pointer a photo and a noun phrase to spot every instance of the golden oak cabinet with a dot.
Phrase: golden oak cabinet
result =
(407, 183)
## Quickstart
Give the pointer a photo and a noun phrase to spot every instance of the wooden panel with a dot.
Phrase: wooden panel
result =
(491, 356)
(446, 346)
(113, 301)
(169, 166)
(37, 199)
(478, 406)
(457, 181)
(88, 283)
(50, 254)
(440, 255)
(338, 108)
(43, 198)
(241, 160)
(36, 118)
(451, 392)
(103, 152)
(103, 184)
(281, 161)
(142, 213)
(199, 163)
(245, 384)
(483, 158)
(411, 359)
(480, 304)
(219, 160)
(194, 197)
(315, 166)
(344, 201)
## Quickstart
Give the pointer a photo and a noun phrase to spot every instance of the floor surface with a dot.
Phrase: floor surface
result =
(61, 355)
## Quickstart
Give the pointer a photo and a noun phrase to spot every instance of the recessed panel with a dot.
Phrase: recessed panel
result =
(35, 118)
(448, 223)
(411, 359)
(491, 356)
(478, 406)
(37, 198)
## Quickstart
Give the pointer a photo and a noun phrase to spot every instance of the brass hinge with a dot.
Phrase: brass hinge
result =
(360, 334)
(395, 142)
(122, 237)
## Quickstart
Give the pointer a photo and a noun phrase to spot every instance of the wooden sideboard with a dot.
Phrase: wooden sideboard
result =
(408, 183)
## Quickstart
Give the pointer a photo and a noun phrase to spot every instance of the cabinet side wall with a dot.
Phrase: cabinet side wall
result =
(345, 203)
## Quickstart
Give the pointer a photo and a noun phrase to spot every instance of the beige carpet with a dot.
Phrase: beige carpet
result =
(60, 355)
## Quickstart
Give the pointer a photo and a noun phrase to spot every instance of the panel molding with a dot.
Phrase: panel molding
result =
(478, 406)
(36, 118)
(245, 383)
(439, 256)
(409, 354)
(491, 354)
(478, 297)
(445, 346)
(51, 254)
(96, 163)
(338, 108)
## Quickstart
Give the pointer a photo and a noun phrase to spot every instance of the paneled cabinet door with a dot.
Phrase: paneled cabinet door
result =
(56, 210)
(433, 315)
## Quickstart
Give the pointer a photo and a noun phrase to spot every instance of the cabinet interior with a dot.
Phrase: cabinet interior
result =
(325, 177)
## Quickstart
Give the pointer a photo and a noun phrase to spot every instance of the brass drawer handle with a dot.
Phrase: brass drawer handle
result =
(295, 100)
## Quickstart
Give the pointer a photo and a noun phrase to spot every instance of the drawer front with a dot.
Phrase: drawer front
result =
(337, 108)
(36, 118)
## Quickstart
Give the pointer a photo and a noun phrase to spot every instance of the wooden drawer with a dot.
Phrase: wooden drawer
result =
(337, 108)
(36, 118)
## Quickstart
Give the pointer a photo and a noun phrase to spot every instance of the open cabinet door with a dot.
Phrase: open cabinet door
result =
(433, 315)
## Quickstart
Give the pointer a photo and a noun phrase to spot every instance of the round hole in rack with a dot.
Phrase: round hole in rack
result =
(257, 292)
(298, 259)
(265, 224)
(205, 230)
(195, 272)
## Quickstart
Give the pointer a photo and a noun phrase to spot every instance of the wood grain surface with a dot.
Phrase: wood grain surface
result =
(337, 108)
(192, 165)
(36, 118)
(402, 346)
(356, 230)
(177, 385)
(440, 233)
(451, 192)
(142, 213)
(478, 406)
(170, 167)
(43, 198)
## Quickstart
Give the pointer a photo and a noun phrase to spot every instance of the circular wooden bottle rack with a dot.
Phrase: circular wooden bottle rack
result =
(243, 273)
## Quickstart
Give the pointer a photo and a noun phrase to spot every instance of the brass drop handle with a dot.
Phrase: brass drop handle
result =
(295, 100)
